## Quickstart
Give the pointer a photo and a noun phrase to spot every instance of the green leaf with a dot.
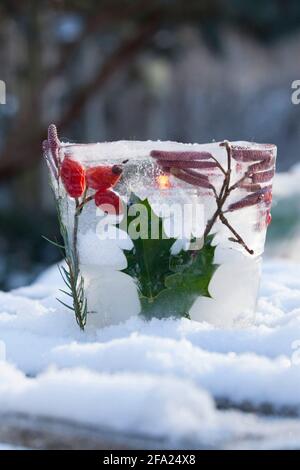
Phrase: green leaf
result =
(189, 282)
(71, 274)
(168, 284)
(149, 260)
(195, 275)
(58, 245)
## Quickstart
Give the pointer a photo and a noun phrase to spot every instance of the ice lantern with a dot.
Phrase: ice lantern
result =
(161, 229)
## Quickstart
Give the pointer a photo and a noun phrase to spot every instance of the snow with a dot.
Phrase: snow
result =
(286, 214)
(287, 184)
(162, 379)
(157, 378)
(107, 253)
(178, 408)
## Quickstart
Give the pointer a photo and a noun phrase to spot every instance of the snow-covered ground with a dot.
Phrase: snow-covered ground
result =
(158, 378)
(162, 379)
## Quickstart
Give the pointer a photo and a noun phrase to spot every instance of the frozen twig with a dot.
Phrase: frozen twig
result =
(238, 238)
(225, 191)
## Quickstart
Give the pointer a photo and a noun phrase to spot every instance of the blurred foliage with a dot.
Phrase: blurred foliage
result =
(267, 19)
(286, 217)
(25, 252)
(21, 247)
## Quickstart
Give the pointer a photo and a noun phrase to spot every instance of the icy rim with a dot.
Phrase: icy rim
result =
(136, 150)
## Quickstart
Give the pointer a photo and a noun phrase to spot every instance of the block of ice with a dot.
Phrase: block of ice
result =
(210, 204)
(103, 251)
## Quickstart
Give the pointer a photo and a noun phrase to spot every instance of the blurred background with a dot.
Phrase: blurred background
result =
(186, 70)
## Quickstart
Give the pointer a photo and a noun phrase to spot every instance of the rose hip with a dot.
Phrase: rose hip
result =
(73, 177)
(108, 201)
(103, 177)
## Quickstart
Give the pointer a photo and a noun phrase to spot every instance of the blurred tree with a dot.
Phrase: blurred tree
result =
(44, 45)
(134, 23)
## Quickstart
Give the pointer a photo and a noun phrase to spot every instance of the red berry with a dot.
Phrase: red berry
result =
(103, 177)
(108, 201)
(268, 218)
(73, 177)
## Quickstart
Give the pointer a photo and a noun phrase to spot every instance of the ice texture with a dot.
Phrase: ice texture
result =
(140, 150)
(233, 290)
(103, 249)
(112, 298)
(234, 285)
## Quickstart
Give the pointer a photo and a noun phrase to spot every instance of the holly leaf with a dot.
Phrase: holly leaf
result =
(190, 281)
(148, 261)
(168, 284)
(195, 272)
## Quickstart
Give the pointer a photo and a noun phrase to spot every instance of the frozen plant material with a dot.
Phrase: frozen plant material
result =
(178, 265)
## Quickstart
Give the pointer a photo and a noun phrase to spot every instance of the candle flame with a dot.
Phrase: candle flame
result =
(163, 182)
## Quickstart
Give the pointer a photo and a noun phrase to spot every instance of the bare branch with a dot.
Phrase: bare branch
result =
(21, 154)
